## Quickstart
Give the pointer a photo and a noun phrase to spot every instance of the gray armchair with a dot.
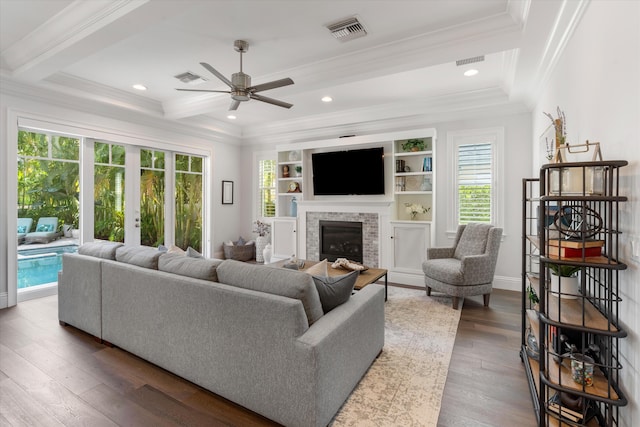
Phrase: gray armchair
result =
(467, 268)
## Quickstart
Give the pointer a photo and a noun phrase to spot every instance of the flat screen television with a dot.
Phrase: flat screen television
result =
(341, 173)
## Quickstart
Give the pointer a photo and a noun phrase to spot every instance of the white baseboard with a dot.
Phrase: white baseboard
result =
(37, 292)
(507, 283)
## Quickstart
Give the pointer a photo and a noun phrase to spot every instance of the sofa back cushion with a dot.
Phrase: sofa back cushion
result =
(142, 256)
(473, 240)
(273, 280)
(198, 268)
(106, 250)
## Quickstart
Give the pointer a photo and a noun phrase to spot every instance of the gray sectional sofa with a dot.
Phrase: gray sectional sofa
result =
(253, 334)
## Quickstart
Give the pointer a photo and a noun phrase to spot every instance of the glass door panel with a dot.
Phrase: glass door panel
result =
(109, 191)
(152, 200)
(188, 201)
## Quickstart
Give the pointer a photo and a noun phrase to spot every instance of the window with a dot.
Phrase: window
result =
(475, 168)
(189, 201)
(267, 188)
(474, 174)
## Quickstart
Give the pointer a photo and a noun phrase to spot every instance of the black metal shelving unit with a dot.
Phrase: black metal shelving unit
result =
(570, 219)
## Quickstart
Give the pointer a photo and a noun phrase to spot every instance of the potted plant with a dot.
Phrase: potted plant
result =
(564, 275)
(298, 170)
(533, 297)
(413, 145)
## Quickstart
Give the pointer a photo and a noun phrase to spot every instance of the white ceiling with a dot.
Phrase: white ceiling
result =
(98, 49)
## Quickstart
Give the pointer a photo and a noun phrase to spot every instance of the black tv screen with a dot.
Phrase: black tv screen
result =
(340, 173)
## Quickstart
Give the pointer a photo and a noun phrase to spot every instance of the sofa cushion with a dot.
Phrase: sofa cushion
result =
(142, 256)
(198, 268)
(473, 240)
(273, 280)
(106, 250)
(335, 290)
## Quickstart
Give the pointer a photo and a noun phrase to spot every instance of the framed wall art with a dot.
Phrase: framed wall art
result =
(227, 192)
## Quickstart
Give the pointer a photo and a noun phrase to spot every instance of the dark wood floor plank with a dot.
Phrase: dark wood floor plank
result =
(143, 372)
(486, 384)
(120, 409)
(227, 411)
(18, 408)
(67, 374)
(168, 408)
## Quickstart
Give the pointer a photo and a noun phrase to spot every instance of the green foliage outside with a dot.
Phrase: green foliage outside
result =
(188, 207)
(474, 203)
(48, 184)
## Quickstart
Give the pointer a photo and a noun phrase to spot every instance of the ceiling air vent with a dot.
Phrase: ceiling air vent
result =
(190, 78)
(470, 60)
(347, 29)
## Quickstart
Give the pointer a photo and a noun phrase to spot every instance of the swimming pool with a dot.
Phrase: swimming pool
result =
(41, 266)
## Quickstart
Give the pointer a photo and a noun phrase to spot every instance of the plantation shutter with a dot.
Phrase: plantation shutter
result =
(475, 171)
(267, 187)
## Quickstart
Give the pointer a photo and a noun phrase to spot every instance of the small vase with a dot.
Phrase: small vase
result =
(293, 156)
(266, 253)
(569, 286)
(261, 243)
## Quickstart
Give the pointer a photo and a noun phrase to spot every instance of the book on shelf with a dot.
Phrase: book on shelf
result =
(576, 244)
(564, 252)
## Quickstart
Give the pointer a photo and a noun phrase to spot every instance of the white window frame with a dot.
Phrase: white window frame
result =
(257, 208)
(494, 136)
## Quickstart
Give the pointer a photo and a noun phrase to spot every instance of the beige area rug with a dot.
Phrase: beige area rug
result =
(404, 385)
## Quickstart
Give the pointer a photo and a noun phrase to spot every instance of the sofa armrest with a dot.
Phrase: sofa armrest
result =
(345, 342)
(435, 253)
(80, 293)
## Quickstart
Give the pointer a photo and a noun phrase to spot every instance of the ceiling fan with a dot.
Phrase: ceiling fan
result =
(240, 84)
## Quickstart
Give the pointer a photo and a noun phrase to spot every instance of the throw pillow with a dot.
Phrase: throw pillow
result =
(336, 290)
(193, 253)
(319, 269)
(162, 248)
(175, 250)
(22, 229)
(240, 241)
(44, 227)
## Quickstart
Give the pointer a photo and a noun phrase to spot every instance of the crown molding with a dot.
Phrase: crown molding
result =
(199, 127)
(564, 26)
(409, 115)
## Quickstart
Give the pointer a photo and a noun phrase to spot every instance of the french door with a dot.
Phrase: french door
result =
(127, 201)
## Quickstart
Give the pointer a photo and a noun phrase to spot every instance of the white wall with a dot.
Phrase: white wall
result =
(597, 84)
(225, 164)
(517, 132)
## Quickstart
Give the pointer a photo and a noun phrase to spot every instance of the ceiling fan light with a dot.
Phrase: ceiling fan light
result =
(139, 87)
(326, 99)
(471, 72)
(231, 117)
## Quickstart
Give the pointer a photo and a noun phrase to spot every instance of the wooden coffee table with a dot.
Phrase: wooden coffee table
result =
(367, 277)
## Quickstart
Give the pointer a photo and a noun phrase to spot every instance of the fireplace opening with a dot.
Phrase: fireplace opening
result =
(341, 239)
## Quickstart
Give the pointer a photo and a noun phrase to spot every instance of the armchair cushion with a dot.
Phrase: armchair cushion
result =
(434, 253)
(473, 240)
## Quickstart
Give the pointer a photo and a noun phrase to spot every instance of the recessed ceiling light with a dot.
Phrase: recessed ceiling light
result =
(327, 99)
(471, 72)
(231, 117)
(139, 87)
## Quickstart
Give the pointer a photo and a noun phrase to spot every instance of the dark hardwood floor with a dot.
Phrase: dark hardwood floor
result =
(59, 376)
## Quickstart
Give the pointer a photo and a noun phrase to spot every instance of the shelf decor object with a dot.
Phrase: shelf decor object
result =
(570, 230)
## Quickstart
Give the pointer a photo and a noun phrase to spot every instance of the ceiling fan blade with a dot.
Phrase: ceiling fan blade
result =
(204, 90)
(234, 105)
(217, 74)
(271, 85)
(271, 101)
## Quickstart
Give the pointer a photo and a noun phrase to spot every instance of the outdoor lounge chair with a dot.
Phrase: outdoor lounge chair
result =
(24, 226)
(46, 231)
